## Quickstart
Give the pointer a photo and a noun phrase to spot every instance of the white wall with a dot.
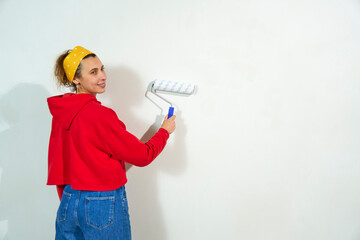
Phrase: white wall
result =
(267, 149)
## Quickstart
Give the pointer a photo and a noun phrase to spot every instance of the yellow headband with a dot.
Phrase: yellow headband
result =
(72, 61)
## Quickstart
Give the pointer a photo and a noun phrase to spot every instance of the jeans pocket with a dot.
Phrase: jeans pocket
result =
(99, 211)
(65, 199)
(125, 206)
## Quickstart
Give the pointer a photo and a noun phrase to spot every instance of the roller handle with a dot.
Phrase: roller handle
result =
(171, 112)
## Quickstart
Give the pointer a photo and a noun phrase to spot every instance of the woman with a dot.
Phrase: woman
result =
(88, 149)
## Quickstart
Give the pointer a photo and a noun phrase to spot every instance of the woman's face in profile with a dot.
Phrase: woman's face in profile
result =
(93, 77)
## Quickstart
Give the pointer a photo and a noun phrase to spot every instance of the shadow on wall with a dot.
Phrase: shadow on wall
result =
(23, 148)
(125, 91)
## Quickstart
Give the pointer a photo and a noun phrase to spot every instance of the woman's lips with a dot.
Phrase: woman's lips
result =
(103, 85)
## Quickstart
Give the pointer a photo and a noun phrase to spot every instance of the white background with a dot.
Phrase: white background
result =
(267, 149)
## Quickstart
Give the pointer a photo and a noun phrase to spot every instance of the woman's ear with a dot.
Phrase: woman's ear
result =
(76, 81)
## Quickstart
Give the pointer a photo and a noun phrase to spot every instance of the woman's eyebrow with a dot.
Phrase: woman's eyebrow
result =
(93, 69)
(96, 68)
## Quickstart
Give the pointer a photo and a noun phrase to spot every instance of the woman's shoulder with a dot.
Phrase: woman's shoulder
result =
(94, 112)
(95, 108)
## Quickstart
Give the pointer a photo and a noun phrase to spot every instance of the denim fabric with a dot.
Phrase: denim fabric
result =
(93, 215)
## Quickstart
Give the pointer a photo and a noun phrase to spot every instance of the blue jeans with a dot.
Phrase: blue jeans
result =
(93, 215)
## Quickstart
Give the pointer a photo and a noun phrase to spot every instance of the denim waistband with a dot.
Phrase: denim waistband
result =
(70, 190)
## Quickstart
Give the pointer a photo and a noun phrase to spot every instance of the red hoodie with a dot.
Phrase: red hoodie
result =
(89, 145)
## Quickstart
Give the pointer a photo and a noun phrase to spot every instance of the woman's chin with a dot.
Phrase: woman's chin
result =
(102, 90)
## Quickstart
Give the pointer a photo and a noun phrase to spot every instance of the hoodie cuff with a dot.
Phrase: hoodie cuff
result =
(164, 132)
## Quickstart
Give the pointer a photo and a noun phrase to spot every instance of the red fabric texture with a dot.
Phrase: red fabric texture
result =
(89, 145)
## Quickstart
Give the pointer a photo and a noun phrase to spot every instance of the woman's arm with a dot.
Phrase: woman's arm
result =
(123, 145)
(60, 190)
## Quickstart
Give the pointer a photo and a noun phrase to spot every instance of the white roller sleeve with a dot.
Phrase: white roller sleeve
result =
(173, 87)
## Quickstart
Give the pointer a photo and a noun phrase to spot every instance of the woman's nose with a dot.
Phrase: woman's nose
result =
(103, 75)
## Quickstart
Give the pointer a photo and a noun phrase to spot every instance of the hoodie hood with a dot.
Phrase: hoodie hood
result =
(64, 108)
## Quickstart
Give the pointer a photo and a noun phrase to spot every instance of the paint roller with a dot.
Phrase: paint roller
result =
(170, 87)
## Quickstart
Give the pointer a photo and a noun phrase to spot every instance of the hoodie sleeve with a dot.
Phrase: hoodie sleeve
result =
(122, 145)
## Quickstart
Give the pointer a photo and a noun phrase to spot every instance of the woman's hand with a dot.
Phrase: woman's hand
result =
(169, 124)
